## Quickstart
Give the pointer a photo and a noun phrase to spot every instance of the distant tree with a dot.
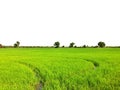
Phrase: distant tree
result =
(101, 44)
(95, 46)
(71, 44)
(17, 44)
(84, 46)
(0, 45)
(63, 46)
(75, 46)
(57, 44)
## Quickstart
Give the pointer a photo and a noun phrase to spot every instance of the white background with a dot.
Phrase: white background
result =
(42, 22)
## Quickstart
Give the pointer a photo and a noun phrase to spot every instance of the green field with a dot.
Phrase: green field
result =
(60, 69)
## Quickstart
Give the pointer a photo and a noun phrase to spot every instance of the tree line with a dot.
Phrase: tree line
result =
(56, 44)
(72, 44)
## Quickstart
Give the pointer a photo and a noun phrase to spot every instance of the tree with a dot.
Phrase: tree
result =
(57, 44)
(71, 44)
(84, 46)
(0, 45)
(63, 46)
(17, 44)
(101, 44)
(75, 46)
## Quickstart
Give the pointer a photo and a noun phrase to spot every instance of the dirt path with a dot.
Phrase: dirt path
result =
(37, 74)
(96, 64)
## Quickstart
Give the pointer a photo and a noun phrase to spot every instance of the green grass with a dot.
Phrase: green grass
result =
(60, 68)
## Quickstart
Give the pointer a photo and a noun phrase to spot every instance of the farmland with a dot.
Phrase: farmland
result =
(60, 69)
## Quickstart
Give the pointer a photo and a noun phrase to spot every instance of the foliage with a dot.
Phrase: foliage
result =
(75, 46)
(17, 44)
(84, 46)
(0, 45)
(71, 44)
(101, 44)
(57, 44)
(95, 46)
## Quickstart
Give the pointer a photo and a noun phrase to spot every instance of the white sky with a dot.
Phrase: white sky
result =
(42, 22)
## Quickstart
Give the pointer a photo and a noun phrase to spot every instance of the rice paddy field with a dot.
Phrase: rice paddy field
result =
(60, 69)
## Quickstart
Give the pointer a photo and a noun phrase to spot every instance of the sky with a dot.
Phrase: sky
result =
(42, 22)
